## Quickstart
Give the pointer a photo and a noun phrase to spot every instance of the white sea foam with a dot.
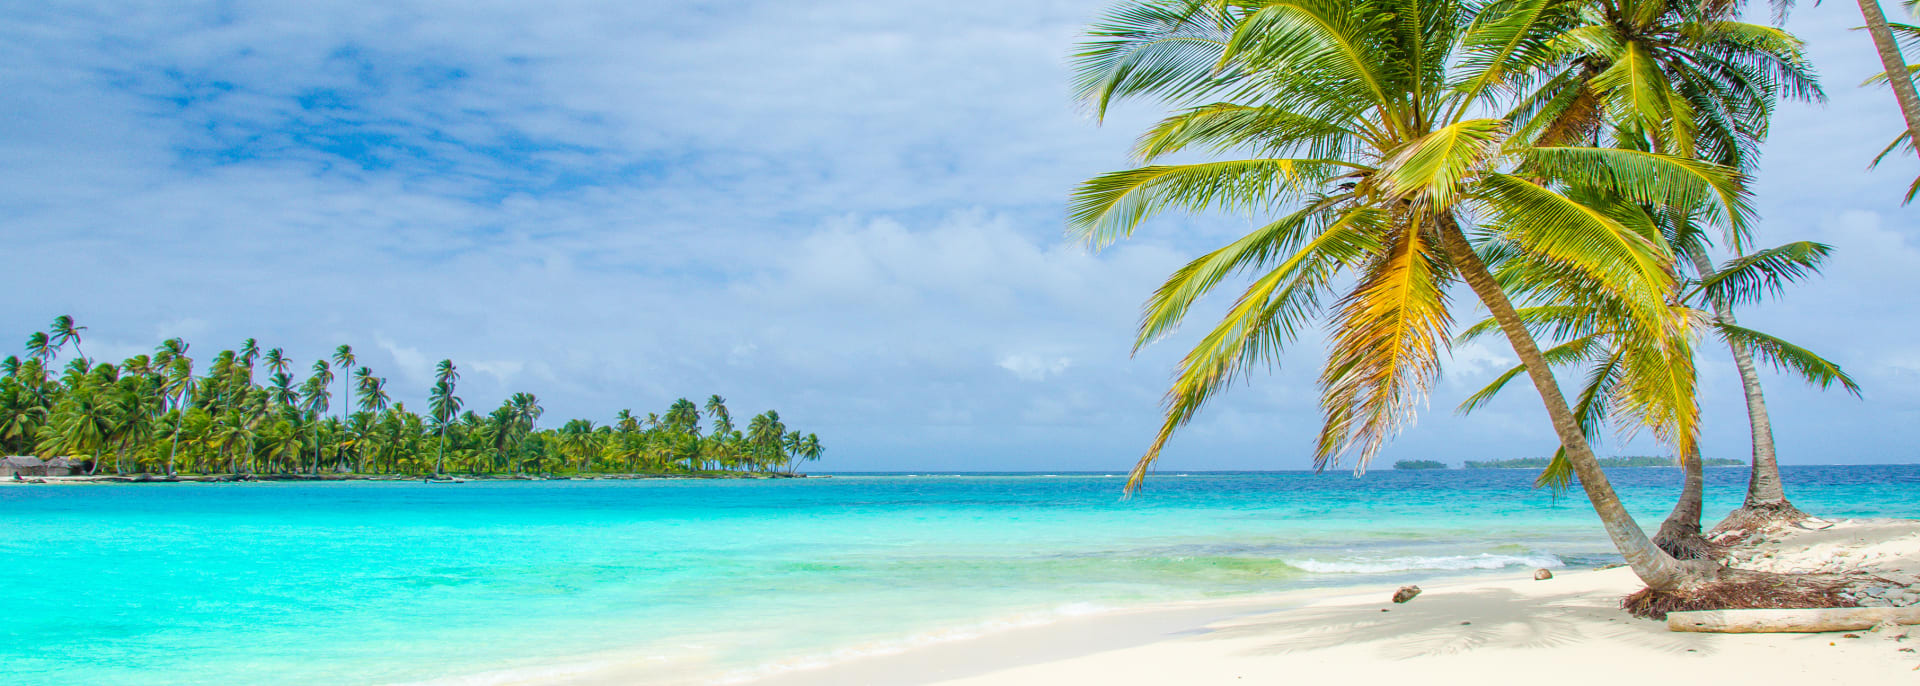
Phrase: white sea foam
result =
(1381, 565)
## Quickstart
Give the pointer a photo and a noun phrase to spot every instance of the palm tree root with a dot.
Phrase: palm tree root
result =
(1738, 589)
(1685, 545)
(1753, 518)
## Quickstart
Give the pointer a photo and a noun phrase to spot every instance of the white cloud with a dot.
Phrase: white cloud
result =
(1034, 367)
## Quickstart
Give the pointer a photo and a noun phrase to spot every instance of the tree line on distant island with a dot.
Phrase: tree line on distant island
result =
(1544, 462)
(154, 414)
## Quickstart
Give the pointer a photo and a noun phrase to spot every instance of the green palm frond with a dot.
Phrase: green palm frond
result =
(1784, 356)
(1320, 36)
(1573, 233)
(1748, 279)
(1167, 49)
(1716, 192)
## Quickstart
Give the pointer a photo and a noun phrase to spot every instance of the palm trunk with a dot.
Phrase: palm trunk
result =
(1895, 65)
(1679, 535)
(1660, 571)
(1766, 499)
(440, 458)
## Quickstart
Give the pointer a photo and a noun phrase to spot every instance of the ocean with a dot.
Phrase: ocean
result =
(703, 581)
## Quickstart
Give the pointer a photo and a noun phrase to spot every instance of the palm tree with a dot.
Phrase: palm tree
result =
(445, 405)
(40, 347)
(1686, 78)
(793, 444)
(373, 391)
(63, 332)
(1895, 66)
(1364, 117)
(316, 393)
(343, 357)
(683, 416)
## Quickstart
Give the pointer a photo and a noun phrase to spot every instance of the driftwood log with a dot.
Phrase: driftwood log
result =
(1789, 621)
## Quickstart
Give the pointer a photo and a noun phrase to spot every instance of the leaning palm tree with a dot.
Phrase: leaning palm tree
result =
(1632, 384)
(1895, 69)
(1688, 79)
(1364, 126)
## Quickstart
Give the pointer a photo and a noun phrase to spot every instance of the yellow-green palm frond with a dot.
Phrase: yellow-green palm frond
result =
(1384, 349)
(1656, 389)
(1108, 207)
(1261, 322)
(1319, 231)
(1432, 168)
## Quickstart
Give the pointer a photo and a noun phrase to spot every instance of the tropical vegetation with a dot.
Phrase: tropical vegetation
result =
(1565, 161)
(154, 413)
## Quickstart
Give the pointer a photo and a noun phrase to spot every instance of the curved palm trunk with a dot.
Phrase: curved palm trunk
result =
(1679, 535)
(1660, 571)
(1766, 497)
(1896, 66)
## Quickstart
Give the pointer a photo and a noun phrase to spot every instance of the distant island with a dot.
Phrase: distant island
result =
(1419, 464)
(154, 414)
(1617, 461)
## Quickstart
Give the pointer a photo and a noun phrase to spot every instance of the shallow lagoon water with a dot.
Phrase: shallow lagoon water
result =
(355, 582)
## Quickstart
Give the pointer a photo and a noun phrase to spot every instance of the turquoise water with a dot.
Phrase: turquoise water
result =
(359, 583)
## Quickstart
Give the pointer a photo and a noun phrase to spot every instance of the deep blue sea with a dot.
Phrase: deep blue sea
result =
(693, 581)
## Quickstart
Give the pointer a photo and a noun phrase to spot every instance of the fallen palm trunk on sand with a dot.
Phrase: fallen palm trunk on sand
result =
(1803, 621)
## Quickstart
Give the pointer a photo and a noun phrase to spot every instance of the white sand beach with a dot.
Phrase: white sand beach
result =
(1509, 629)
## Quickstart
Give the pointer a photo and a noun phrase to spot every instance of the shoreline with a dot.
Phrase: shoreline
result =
(1463, 627)
(1460, 630)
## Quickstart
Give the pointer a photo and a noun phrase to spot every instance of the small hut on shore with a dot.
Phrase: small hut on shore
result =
(21, 465)
(65, 466)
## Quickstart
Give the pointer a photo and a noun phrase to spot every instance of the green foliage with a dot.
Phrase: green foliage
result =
(154, 414)
(1419, 464)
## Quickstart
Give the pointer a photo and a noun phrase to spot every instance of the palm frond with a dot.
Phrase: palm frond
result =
(1750, 278)
(1784, 356)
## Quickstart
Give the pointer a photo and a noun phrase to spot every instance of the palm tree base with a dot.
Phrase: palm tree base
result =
(1754, 517)
(1739, 589)
(1685, 543)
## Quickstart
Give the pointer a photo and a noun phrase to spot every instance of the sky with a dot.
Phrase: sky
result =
(850, 211)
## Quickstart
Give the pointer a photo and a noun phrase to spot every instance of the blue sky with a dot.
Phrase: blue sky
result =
(847, 210)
